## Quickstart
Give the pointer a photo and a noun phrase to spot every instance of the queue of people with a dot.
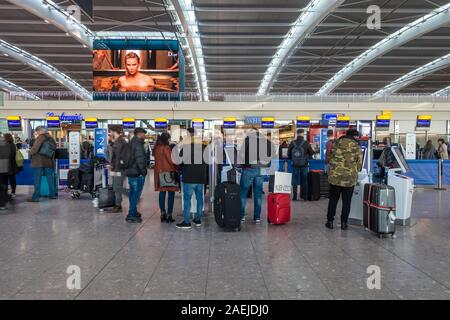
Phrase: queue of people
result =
(129, 159)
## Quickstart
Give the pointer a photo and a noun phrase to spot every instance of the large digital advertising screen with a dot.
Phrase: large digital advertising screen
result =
(136, 66)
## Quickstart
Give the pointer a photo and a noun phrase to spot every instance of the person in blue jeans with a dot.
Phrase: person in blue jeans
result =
(256, 153)
(194, 177)
(136, 172)
(190, 189)
(43, 165)
(251, 177)
(299, 152)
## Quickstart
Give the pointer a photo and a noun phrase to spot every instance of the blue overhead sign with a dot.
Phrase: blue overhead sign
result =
(100, 142)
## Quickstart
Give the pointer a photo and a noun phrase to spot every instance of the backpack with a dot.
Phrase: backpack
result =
(48, 148)
(19, 158)
(299, 155)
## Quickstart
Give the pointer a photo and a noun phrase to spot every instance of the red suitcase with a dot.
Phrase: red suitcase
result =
(279, 208)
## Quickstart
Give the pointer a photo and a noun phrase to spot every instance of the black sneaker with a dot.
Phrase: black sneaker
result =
(184, 225)
(329, 225)
(197, 223)
(344, 226)
(133, 219)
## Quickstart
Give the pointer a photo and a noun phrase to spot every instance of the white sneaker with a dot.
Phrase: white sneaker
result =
(243, 219)
(258, 221)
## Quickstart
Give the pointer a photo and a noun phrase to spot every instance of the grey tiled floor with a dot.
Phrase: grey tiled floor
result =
(301, 260)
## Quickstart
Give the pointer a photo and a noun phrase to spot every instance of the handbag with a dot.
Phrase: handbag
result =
(169, 180)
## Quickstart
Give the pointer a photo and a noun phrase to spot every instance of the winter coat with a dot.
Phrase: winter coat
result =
(163, 163)
(118, 153)
(345, 162)
(12, 160)
(37, 160)
(137, 165)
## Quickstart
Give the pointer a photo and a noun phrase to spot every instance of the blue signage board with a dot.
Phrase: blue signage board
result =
(91, 124)
(343, 124)
(100, 142)
(329, 116)
(252, 120)
(15, 125)
(323, 143)
(383, 123)
(229, 124)
(161, 125)
(423, 123)
(198, 125)
(267, 124)
(303, 124)
(67, 118)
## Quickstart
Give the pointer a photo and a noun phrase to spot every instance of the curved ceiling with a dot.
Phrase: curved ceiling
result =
(239, 40)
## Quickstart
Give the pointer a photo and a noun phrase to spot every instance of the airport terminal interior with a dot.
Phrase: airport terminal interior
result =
(348, 100)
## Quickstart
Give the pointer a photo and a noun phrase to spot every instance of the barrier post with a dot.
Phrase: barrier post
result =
(440, 175)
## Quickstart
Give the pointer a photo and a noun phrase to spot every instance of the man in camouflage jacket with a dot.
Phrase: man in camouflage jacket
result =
(344, 164)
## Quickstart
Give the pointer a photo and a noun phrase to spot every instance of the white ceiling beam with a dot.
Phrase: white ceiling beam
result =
(48, 11)
(434, 20)
(442, 93)
(414, 76)
(315, 12)
(38, 64)
(185, 18)
(8, 86)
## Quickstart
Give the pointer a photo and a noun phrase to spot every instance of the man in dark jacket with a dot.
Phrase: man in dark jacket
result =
(136, 173)
(194, 178)
(299, 152)
(43, 165)
(5, 165)
(117, 165)
(254, 155)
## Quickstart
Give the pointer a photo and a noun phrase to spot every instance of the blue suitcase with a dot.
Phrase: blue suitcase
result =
(45, 191)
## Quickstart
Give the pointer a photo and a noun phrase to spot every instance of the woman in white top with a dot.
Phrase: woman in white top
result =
(442, 149)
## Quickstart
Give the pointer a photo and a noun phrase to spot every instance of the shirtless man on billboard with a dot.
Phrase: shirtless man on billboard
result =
(134, 80)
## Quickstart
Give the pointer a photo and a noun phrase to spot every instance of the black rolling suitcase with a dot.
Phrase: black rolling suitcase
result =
(314, 185)
(227, 206)
(106, 198)
(379, 208)
(87, 182)
(324, 185)
(73, 179)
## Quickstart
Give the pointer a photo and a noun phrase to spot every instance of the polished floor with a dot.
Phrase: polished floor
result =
(300, 260)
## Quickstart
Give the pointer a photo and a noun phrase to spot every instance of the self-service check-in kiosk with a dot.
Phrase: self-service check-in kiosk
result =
(404, 188)
(357, 208)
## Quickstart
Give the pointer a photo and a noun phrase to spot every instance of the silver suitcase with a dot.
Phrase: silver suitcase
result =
(379, 208)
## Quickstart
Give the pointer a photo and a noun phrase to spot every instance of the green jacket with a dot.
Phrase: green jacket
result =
(345, 162)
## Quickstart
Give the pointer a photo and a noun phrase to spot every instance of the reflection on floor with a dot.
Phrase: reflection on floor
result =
(301, 260)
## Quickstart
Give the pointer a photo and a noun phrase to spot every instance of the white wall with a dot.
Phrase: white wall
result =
(404, 112)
